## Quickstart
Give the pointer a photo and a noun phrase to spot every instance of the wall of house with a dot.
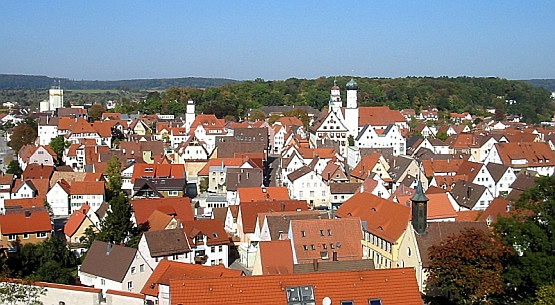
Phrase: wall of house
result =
(117, 299)
(409, 255)
(29, 238)
(138, 278)
(58, 200)
(311, 188)
(152, 262)
(94, 201)
(98, 282)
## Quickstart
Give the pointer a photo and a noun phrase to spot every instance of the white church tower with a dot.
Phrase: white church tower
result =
(335, 102)
(189, 115)
(351, 111)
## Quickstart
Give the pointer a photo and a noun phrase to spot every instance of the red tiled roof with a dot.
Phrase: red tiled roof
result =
(126, 294)
(498, 207)
(535, 153)
(393, 286)
(379, 116)
(339, 235)
(82, 126)
(144, 170)
(18, 223)
(290, 121)
(87, 188)
(25, 203)
(250, 194)
(65, 123)
(158, 220)
(213, 229)
(250, 210)
(439, 206)
(384, 218)
(465, 216)
(75, 220)
(180, 207)
(169, 270)
(432, 167)
(276, 257)
(235, 162)
(36, 171)
(365, 166)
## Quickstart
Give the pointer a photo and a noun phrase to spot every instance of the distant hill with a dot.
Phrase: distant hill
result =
(13, 81)
(548, 84)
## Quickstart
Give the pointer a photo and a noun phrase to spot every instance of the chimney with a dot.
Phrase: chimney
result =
(282, 207)
(468, 192)
(315, 264)
(109, 246)
(334, 255)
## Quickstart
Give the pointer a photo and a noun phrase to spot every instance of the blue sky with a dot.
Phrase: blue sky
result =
(108, 40)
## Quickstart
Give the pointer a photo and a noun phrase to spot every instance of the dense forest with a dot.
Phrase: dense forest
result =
(236, 99)
(548, 84)
(12, 81)
(474, 95)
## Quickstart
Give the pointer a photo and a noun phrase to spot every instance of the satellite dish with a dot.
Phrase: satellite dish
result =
(326, 301)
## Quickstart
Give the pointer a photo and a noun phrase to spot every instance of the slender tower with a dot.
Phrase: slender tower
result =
(189, 115)
(419, 210)
(351, 111)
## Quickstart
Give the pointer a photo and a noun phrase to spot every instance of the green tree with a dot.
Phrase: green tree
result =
(58, 145)
(467, 267)
(14, 168)
(95, 112)
(442, 136)
(88, 237)
(529, 232)
(53, 272)
(299, 113)
(113, 171)
(257, 115)
(117, 227)
(23, 134)
(546, 295)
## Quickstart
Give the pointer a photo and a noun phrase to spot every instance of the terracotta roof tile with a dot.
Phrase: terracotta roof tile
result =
(169, 270)
(439, 206)
(383, 218)
(180, 207)
(75, 220)
(311, 237)
(392, 286)
(213, 229)
(379, 116)
(250, 194)
(498, 207)
(276, 257)
(158, 221)
(19, 223)
(249, 210)
(87, 188)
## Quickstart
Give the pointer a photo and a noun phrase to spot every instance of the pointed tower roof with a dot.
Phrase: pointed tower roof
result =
(419, 195)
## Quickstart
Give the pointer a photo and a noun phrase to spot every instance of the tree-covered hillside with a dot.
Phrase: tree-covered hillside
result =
(548, 84)
(12, 81)
(474, 95)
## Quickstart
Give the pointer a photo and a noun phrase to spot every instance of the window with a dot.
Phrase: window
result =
(312, 247)
(25, 235)
(130, 285)
(409, 253)
(300, 295)
(213, 262)
(12, 237)
(303, 233)
(375, 302)
(102, 282)
(321, 232)
(132, 270)
(305, 247)
(347, 302)
(329, 232)
(324, 246)
(212, 249)
(220, 248)
(324, 255)
(142, 268)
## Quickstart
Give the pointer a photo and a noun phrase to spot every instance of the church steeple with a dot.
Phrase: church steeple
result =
(419, 210)
(335, 98)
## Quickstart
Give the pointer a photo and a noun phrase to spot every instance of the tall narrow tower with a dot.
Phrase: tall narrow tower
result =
(351, 111)
(335, 97)
(189, 115)
(419, 210)
(56, 97)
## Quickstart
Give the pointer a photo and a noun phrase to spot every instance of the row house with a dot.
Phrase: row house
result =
(29, 226)
(306, 184)
(40, 155)
(390, 137)
(534, 156)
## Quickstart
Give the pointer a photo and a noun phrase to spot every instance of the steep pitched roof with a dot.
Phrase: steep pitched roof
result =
(108, 260)
(276, 257)
(166, 242)
(158, 221)
(392, 286)
(365, 166)
(298, 173)
(467, 194)
(36, 171)
(498, 207)
(383, 218)
(24, 203)
(278, 222)
(75, 220)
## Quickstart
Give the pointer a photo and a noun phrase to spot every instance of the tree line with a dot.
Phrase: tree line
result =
(460, 94)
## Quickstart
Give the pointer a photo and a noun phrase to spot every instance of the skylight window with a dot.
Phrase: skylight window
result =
(300, 295)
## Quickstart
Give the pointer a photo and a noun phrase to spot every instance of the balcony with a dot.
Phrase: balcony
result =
(201, 259)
